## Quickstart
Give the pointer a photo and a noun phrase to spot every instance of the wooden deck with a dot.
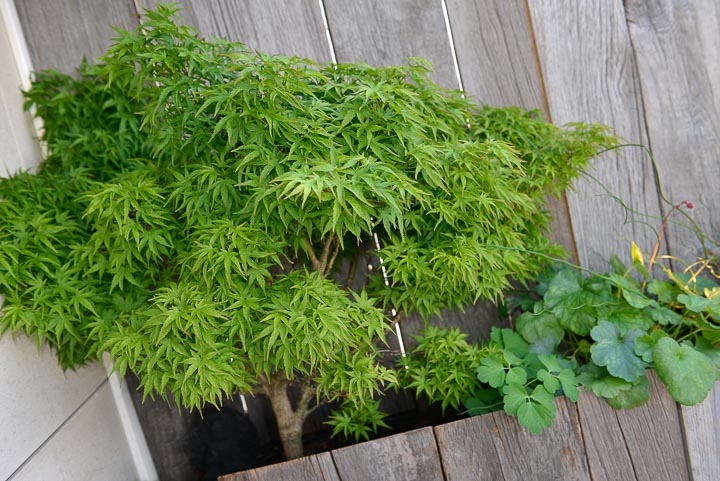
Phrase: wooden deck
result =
(589, 441)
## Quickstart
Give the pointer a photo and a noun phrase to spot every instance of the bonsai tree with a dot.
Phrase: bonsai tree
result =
(198, 198)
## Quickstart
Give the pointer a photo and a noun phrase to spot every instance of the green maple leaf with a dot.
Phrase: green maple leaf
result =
(665, 291)
(644, 344)
(688, 374)
(665, 316)
(615, 350)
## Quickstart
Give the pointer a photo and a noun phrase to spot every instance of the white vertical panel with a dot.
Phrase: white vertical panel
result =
(35, 398)
(90, 447)
(18, 147)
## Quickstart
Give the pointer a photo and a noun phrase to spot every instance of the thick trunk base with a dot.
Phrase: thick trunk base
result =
(289, 421)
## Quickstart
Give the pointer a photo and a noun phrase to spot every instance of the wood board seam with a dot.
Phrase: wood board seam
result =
(584, 440)
(575, 255)
(644, 129)
(686, 446)
(439, 453)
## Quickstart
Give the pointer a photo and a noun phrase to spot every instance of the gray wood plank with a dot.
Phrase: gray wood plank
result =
(496, 447)
(60, 34)
(678, 54)
(645, 442)
(590, 75)
(403, 457)
(381, 33)
(608, 456)
(702, 435)
(167, 431)
(288, 27)
(654, 436)
(495, 52)
(318, 467)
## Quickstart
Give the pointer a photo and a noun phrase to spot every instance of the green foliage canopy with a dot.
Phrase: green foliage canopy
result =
(197, 198)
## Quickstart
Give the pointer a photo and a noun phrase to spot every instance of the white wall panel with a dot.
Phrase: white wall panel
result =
(90, 447)
(36, 398)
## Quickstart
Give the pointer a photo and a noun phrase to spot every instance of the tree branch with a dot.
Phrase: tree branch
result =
(311, 253)
(325, 254)
(353, 267)
(333, 255)
(307, 392)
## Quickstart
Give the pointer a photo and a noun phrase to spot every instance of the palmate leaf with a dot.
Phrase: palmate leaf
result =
(537, 328)
(688, 374)
(635, 396)
(536, 411)
(575, 300)
(615, 349)
(598, 380)
(492, 370)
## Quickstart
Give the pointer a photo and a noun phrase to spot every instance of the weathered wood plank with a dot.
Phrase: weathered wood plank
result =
(318, 467)
(607, 453)
(288, 27)
(702, 436)
(495, 447)
(60, 34)
(495, 52)
(678, 53)
(387, 33)
(167, 431)
(645, 443)
(404, 457)
(590, 75)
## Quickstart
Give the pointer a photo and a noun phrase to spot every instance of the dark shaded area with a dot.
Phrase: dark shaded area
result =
(224, 441)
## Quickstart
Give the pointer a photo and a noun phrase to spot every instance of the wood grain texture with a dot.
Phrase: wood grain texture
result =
(495, 447)
(677, 44)
(167, 430)
(288, 27)
(702, 435)
(590, 75)
(403, 457)
(495, 52)
(318, 467)
(379, 32)
(654, 436)
(645, 443)
(608, 456)
(60, 34)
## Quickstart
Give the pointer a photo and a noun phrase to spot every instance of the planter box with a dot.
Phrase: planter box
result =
(588, 441)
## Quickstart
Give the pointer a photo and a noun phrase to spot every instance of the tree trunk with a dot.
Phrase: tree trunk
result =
(289, 420)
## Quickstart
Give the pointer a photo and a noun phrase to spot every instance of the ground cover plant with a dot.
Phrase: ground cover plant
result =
(197, 199)
(578, 328)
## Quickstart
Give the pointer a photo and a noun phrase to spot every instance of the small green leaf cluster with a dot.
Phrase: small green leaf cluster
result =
(527, 381)
(598, 331)
(502, 373)
(357, 421)
(617, 326)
